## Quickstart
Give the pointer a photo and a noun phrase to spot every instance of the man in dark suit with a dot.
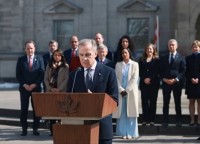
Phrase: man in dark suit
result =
(100, 40)
(102, 80)
(53, 45)
(30, 74)
(71, 55)
(172, 74)
(102, 52)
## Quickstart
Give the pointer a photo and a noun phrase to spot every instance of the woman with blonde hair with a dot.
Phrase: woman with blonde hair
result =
(193, 81)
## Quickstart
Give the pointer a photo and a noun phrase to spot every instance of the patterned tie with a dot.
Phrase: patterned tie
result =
(88, 78)
(30, 63)
(172, 59)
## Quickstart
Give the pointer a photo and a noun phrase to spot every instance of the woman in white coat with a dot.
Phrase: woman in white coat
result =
(127, 72)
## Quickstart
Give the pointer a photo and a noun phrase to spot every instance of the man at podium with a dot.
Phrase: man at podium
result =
(94, 77)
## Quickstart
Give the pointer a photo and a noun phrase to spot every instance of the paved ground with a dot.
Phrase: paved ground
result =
(11, 100)
(11, 134)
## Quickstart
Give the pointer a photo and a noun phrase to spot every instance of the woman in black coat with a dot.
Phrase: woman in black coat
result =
(193, 81)
(149, 83)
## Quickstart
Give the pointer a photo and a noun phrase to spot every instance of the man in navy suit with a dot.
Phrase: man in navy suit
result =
(102, 52)
(103, 80)
(30, 74)
(53, 45)
(100, 40)
(172, 74)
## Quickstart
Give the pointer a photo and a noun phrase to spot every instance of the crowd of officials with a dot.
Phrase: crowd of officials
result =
(89, 66)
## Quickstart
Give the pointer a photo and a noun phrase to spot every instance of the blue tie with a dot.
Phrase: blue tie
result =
(172, 59)
(88, 78)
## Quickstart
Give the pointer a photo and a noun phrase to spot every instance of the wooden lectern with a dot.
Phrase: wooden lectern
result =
(73, 109)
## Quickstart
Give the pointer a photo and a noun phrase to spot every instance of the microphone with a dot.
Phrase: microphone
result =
(78, 69)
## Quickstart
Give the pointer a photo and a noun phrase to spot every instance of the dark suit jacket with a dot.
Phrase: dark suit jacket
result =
(46, 58)
(192, 71)
(149, 70)
(109, 55)
(68, 54)
(35, 76)
(107, 62)
(104, 81)
(176, 70)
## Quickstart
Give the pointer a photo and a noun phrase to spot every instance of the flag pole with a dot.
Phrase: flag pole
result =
(158, 31)
(157, 34)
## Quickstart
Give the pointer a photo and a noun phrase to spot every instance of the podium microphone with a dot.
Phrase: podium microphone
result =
(78, 69)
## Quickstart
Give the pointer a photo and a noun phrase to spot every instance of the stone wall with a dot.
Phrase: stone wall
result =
(22, 20)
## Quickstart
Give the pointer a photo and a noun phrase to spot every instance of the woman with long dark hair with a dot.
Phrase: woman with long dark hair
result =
(56, 75)
(124, 42)
(127, 72)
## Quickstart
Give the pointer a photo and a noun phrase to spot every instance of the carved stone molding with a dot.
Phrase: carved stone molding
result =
(62, 7)
(137, 5)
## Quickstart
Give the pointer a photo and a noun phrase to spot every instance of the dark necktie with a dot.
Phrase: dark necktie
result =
(172, 59)
(88, 79)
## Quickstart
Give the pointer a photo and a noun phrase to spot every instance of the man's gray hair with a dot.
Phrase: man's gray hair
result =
(173, 40)
(102, 46)
(85, 42)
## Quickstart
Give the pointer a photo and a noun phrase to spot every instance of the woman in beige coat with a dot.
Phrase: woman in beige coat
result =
(56, 75)
(127, 72)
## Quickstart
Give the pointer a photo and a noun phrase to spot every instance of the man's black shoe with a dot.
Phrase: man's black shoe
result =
(24, 133)
(198, 138)
(36, 133)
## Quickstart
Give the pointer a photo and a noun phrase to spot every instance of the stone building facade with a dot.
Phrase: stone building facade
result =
(43, 20)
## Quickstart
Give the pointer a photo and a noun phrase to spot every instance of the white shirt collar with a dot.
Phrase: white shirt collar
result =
(74, 49)
(102, 59)
(92, 67)
(30, 57)
(174, 53)
(129, 61)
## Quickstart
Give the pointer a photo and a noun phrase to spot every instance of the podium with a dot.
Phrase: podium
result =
(72, 109)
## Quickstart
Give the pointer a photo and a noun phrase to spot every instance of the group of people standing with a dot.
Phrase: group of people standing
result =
(173, 71)
(61, 76)
(117, 74)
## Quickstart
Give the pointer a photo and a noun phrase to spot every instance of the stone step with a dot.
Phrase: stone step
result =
(158, 129)
(14, 113)
(11, 117)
